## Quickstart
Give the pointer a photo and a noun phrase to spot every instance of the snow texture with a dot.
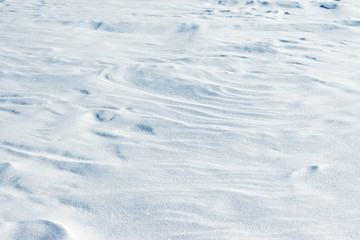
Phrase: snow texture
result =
(201, 119)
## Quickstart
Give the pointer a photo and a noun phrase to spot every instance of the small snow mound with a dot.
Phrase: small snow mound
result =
(39, 229)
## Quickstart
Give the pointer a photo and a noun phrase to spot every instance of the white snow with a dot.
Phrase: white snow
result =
(183, 119)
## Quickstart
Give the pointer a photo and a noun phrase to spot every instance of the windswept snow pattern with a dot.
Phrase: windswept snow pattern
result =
(202, 119)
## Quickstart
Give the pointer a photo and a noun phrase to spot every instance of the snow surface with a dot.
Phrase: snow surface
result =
(183, 119)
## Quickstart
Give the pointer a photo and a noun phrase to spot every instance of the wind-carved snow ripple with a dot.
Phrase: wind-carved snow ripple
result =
(152, 79)
(172, 120)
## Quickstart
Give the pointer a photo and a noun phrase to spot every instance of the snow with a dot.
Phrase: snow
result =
(199, 119)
